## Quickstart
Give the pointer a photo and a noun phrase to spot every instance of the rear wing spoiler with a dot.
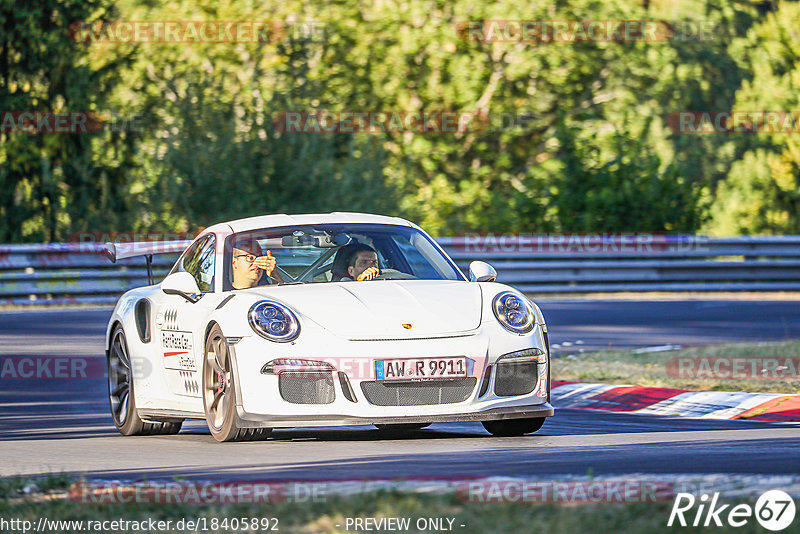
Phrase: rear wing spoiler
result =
(121, 251)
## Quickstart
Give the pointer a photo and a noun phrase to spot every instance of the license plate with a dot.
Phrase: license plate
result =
(421, 368)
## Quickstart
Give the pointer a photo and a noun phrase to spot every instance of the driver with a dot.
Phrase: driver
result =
(362, 264)
(249, 267)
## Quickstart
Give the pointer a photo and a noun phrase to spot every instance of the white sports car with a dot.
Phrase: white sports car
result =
(286, 321)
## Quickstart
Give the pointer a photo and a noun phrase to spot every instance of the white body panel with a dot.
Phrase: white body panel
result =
(348, 324)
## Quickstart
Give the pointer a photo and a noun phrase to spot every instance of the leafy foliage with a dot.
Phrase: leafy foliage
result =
(762, 191)
(573, 135)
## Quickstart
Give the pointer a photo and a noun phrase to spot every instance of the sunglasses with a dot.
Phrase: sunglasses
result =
(249, 257)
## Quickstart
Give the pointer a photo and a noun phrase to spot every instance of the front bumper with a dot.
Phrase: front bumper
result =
(260, 404)
(277, 421)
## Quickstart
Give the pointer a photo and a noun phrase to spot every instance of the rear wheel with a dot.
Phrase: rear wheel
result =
(219, 393)
(121, 397)
(513, 427)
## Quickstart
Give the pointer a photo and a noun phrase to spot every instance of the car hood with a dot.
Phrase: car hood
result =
(380, 308)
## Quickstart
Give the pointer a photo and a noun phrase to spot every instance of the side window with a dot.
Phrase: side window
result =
(199, 262)
(201, 265)
(188, 253)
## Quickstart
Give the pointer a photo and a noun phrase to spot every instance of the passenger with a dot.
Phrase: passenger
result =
(249, 268)
(362, 264)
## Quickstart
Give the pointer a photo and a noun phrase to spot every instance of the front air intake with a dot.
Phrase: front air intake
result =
(418, 393)
(515, 378)
(306, 387)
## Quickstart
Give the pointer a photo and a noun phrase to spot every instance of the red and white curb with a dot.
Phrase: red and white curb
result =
(676, 402)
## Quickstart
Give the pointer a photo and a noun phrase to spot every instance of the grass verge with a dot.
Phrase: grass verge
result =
(707, 368)
(330, 515)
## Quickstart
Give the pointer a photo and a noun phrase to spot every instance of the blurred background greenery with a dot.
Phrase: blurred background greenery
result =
(578, 137)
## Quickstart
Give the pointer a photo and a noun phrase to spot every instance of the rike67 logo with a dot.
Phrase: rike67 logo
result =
(774, 510)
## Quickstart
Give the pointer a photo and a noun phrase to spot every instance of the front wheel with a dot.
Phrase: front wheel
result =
(219, 393)
(120, 393)
(513, 427)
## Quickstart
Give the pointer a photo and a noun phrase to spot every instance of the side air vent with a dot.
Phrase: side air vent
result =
(142, 317)
(487, 377)
(347, 389)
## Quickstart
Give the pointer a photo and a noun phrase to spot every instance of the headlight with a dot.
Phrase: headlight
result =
(513, 312)
(273, 321)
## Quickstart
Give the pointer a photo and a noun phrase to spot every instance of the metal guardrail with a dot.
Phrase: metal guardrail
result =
(636, 262)
(70, 273)
(62, 273)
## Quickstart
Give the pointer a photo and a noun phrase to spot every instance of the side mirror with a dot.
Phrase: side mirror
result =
(480, 271)
(181, 284)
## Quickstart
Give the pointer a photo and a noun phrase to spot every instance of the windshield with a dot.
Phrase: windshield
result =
(333, 253)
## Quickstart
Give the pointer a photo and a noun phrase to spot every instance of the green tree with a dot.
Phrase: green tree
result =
(762, 192)
(210, 150)
(631, 191)
(51, 184)
(574, 134)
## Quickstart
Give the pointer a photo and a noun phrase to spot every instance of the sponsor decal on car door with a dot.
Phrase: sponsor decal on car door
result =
(178, 353)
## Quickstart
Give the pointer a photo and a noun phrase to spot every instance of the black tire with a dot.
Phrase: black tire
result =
(219, 393)
(513, 427)
(396, 427)
(121, 399)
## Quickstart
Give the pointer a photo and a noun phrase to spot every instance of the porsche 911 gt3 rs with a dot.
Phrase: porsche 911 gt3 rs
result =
(309, 342)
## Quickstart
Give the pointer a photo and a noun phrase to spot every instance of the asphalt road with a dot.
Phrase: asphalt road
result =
(57, 426)
(620, 324)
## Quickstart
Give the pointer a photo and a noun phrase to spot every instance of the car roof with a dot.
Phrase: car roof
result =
(277, 220)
